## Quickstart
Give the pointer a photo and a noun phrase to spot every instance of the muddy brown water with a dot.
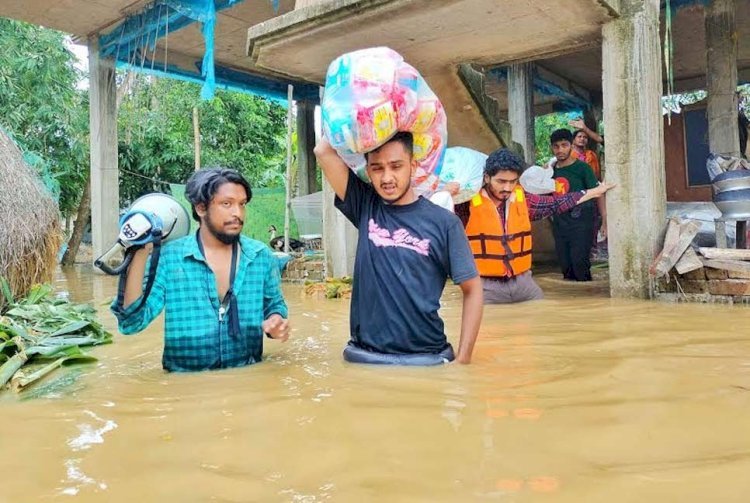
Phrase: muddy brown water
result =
(574, 398)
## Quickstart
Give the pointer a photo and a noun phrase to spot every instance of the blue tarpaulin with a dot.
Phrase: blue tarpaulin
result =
(138, 34)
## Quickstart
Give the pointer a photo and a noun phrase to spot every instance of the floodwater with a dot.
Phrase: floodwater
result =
(575, 398)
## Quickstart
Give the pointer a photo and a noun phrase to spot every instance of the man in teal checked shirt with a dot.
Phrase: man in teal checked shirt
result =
(221, 291)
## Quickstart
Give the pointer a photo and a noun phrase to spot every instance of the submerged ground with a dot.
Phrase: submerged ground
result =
(574, 398)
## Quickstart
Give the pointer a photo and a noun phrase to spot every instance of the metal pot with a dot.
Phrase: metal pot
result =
(734, 204)
(731, 180)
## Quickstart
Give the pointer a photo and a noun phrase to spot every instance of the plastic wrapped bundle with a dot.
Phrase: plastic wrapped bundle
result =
(465, 167)
(369, 96)
(538, 180)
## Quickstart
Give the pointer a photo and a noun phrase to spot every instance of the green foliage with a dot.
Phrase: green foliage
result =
(40, 333)
(41, 108)
(45, 113)
(155, 123)
(543, 128)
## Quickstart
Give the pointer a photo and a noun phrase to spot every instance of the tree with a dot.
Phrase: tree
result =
(41, 108)
(47, 115)
(156, 136)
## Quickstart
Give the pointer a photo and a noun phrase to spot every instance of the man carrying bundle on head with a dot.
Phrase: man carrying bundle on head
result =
(498, 225)
(407, 249)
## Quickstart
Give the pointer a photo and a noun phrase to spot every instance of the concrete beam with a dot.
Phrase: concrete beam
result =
(521, 107)
(721, 77)
(306, 166)
(632, 90)
(698, 82)
(547, 83)
(105, 190)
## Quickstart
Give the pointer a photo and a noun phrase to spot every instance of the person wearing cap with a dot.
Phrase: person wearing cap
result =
(220, 290)
(497, 222)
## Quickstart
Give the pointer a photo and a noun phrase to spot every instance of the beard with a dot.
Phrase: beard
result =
(396, 198)
(224, 237)
(498, 195)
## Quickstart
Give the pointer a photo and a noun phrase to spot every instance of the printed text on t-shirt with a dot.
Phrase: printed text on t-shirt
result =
(400, 238)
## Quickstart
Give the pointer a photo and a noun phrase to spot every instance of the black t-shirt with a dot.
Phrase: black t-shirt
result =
(405, 253)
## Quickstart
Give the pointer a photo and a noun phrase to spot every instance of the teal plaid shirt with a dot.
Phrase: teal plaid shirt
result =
(194, 338)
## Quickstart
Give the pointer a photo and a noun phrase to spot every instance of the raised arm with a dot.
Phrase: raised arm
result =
(579, 124)
(334, 168)
(596, 192)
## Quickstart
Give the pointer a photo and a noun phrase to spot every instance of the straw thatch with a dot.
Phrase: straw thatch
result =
(30, 232)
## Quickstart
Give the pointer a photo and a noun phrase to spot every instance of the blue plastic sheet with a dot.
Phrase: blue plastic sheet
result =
(146, 27)
(203, 11)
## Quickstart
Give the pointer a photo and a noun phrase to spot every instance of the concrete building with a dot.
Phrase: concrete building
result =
(495, 64)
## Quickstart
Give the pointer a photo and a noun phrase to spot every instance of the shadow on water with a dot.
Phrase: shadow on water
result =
(577, 397)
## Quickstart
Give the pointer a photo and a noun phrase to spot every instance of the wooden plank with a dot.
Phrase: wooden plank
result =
(669, 256)
(670, 241)
(727, 265)
(724, 253)
(688, 262)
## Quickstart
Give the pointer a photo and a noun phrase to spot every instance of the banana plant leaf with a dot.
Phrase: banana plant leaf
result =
(11, 366)
(41, 333)
(74, 326)
(38, 293)
(27, 376)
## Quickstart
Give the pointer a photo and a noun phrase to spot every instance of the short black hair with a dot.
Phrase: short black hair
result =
(405, 138)
(503, 159)
(203, 185)
(560, 135)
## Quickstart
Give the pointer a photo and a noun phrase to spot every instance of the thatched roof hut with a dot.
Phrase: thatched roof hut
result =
(30, 233)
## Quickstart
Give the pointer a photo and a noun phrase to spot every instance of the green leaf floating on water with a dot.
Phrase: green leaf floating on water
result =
(34, 372)
(41, 333)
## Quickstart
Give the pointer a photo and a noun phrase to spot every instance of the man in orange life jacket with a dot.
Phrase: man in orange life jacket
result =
(498, 224)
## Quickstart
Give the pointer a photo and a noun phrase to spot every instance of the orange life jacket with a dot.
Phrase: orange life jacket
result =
(500, 252)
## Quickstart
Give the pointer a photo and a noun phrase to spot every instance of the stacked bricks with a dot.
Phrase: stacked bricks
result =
(705, 285)
(299, 270)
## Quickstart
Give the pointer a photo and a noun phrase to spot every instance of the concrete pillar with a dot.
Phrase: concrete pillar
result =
(632, 89)
(339, 237)
(521, 107)
(306, 167)
(105, 190)
(721, 77)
